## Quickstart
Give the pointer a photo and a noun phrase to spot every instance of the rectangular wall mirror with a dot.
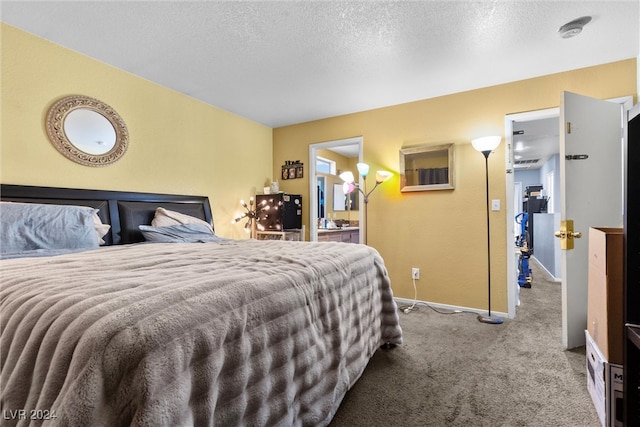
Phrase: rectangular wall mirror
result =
(342, 201)
(425, 168)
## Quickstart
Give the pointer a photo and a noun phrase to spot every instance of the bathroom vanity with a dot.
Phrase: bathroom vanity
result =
(346, 234)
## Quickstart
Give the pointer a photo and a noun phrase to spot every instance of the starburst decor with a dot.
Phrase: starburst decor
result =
(252, 213)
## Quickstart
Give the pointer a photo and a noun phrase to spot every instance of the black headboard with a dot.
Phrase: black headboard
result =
(123, 210)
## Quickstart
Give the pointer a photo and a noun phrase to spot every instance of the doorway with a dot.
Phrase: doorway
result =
(511, 123)
(536, 147)
(321, 190)
(350, 148)
(532, 142)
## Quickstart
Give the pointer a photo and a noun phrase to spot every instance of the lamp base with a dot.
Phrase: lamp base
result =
(490, 319)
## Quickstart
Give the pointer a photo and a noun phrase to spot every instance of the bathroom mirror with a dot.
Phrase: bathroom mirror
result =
(339, 198)
(87, 131)
(424, 168)
(343, 201)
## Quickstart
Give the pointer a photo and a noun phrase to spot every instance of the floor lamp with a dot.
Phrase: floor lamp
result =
(485, 145)
(350, 185)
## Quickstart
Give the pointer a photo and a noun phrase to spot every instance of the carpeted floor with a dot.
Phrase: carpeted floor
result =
(455, 371)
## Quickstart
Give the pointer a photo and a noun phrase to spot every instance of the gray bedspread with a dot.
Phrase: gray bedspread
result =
(240, 333)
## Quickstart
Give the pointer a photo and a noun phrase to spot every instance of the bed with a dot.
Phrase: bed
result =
(210, 332)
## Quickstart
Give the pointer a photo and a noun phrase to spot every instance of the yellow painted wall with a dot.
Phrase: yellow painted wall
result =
(177, 144)
(444, 232)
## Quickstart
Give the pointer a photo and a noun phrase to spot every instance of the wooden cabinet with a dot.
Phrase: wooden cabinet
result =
(351, 235)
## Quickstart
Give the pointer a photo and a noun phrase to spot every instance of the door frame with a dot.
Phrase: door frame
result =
(313, 202)
(512, 274)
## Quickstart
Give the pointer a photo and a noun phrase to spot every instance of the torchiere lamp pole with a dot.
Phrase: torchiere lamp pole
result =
(485, 145)
(350, 185)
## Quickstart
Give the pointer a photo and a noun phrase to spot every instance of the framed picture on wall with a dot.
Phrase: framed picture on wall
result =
(292, 169)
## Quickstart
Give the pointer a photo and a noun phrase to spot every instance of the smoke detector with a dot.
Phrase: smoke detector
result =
(573, 28)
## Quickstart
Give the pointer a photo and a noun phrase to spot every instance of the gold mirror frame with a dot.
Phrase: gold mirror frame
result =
(437, 163)
(55, 129)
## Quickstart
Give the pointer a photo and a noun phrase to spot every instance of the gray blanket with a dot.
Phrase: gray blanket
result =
(227, 334)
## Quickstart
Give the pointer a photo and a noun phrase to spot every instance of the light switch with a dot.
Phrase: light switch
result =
(495, 205)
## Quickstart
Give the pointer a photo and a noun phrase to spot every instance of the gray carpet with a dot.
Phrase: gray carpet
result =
(455, 371)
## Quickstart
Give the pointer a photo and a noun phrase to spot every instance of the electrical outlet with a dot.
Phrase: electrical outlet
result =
(415, 273)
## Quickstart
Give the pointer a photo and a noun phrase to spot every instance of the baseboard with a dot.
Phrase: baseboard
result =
(406, 301)
(553, 278)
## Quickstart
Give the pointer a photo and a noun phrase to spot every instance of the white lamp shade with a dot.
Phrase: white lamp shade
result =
(486, 143)
(382, 176)
(363, 169)
(347, 177)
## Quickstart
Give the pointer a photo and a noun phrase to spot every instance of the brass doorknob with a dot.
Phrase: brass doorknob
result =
(566, 234)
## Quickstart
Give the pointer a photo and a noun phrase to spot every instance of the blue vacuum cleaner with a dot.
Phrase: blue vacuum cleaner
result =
(522, 242)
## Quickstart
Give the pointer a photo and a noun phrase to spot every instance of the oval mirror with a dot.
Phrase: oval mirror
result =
(87, 131)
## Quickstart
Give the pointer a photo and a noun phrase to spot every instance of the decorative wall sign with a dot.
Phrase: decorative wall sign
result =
(292, 169)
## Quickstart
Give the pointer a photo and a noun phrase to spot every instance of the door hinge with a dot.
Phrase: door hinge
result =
(568, 127)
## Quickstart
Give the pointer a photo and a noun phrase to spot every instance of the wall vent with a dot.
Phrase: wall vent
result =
(527, 162)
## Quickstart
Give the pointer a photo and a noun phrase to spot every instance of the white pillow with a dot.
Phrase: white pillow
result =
(101, 229)
(165, 218)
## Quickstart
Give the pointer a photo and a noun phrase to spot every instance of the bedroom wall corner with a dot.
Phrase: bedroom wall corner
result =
(177, 144)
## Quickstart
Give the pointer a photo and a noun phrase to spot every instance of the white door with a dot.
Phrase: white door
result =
(591, 194)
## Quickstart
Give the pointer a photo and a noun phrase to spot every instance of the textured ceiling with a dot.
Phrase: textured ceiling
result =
(280, 63)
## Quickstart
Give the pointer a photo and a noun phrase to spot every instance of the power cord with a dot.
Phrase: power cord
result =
(420, 303)
(409, 308)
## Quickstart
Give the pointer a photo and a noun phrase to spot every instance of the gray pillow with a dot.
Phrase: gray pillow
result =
(181, 233)
(30, 226)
